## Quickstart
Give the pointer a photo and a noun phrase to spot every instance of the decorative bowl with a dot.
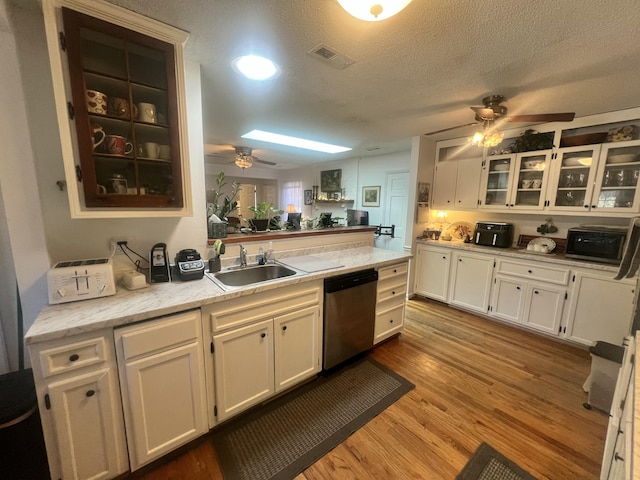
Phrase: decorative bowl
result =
(622, 158)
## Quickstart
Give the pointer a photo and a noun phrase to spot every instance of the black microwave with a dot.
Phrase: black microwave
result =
(597, 244)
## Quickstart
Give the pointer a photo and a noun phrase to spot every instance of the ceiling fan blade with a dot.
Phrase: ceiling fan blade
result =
(452, 128)
(259, 160)
(543, 117)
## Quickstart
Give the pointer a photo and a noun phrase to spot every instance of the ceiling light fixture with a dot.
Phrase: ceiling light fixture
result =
(373, 10)
(243, 162)
(489, 137)
(294, 142)
(255, 67)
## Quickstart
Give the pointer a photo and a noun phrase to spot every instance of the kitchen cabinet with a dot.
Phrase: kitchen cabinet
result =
(456, 184)
(79, 401)
(530, 294)
(600, 308)
(390, 301)
(432, 272)
(617, 459)
(162, 379)
(515, 181)
(470, 284)
(262, 344)
(120, 100)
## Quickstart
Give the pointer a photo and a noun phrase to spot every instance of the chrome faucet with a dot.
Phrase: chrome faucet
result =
(243, 256)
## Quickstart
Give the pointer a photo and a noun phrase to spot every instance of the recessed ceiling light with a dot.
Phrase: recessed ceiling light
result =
(255, 67)
(294, 142)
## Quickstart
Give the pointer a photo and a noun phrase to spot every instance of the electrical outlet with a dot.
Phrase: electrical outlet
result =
(113, 244)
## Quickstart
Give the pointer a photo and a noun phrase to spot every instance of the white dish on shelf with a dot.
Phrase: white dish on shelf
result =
(541, 245)
(501, 167)
(459, 230)
(622, 158)
(577, 162)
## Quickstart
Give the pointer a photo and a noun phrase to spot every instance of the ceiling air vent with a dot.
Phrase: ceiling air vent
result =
(331, 56)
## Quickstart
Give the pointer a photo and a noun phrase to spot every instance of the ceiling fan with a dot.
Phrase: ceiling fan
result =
(491, 110)
(244, 157)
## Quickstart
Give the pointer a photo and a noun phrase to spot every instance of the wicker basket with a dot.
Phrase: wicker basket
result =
(217, 230)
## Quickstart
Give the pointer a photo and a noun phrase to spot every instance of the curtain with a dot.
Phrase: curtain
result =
(292, 193)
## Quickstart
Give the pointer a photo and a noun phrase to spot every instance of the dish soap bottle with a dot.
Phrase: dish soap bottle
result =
(261, 258)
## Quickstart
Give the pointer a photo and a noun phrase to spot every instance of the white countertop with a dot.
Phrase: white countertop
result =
(522, 254)
(59, 321)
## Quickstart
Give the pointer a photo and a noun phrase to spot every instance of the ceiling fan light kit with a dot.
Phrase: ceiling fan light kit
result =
(373, 10)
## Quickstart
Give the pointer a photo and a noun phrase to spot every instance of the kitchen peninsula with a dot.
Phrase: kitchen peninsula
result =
(108, 369)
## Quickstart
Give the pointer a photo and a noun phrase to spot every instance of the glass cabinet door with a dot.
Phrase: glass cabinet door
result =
(530, 181)
(574, 178)
(125, 111)
(616, 186)
(497, 175)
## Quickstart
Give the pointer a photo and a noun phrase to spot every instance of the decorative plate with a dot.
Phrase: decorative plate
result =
(460, 230)
(544, 245)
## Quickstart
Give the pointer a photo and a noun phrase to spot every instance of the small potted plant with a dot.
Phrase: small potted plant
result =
(264, 216)
(221, 206)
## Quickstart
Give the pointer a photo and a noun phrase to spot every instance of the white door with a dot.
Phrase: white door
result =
(243, 361)
(395, 211)
(87, 417)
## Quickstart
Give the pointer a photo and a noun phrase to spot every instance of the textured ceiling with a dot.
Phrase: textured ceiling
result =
(416, 72)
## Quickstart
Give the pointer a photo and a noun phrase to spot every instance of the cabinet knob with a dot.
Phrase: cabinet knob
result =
(75, 357)
(459, 259)
(262, 335)
(90, 393)
(593, 206)
(536, 292)
(393, 292)
(511, 205)
(518, 287)
(444, 258)
(530, 271)
(284, 327)
(395, 271)
(391, 321)
(586, 206)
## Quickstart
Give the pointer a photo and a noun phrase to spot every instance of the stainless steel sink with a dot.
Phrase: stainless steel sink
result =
(241, 277)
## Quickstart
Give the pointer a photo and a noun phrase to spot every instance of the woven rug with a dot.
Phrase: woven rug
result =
(281, 439)
(489, 464)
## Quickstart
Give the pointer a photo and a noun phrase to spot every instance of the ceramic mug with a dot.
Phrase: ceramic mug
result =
(120, 107)
(146, 112)
(118, 145)
(96, 102)
(537, 183)
(97, 132)
(526, 183)
(150, 150)
(102, 190)
(165, 152)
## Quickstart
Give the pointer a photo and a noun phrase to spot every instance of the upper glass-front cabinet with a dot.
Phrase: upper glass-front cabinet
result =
(516, 181)
(598, 177)
(125, 106)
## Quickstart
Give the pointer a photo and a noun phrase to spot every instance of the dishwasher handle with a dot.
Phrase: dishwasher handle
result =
(350, 280)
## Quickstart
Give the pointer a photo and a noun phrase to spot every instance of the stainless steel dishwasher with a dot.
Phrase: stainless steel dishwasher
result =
(349, 315)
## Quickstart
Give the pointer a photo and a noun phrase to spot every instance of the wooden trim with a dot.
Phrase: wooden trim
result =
(284, 234)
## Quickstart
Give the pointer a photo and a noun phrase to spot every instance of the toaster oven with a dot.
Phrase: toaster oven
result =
(596, 244)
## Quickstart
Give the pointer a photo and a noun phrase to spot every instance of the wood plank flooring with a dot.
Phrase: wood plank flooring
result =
(476, 380)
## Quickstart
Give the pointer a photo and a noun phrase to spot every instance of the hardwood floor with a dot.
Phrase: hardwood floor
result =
(476, 380)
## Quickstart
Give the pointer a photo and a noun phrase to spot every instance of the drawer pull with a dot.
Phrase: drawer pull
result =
(74, 358)
(90, 393)
(262, 335)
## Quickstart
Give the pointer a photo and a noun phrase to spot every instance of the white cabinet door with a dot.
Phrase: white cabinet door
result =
(432, 272)
(88, 425)
(591, 319)
(573, 179)
(471, 281)
(507, 298)
(166, 402)
(445, 185)
(297, 346)
(543, 308)
(457, 183)
(497, 175)
(617, 186)
(244, 371)
(529, 185)
(468, 183)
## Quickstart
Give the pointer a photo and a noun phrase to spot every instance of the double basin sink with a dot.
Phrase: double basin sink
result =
(243, 276)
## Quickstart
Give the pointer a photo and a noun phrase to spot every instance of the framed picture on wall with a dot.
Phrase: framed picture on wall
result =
(423, 194)
(331, 181)
(308, 197)
(371, 196)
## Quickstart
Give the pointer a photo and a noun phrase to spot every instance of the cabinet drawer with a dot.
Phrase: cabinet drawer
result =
(252, 308)
(559, 276)
(399, 270)
(388, 322)
(72, 356)
(158, 335)
(396, 292)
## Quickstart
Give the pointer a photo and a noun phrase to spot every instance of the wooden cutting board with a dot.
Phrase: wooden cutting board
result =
(309, 263)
